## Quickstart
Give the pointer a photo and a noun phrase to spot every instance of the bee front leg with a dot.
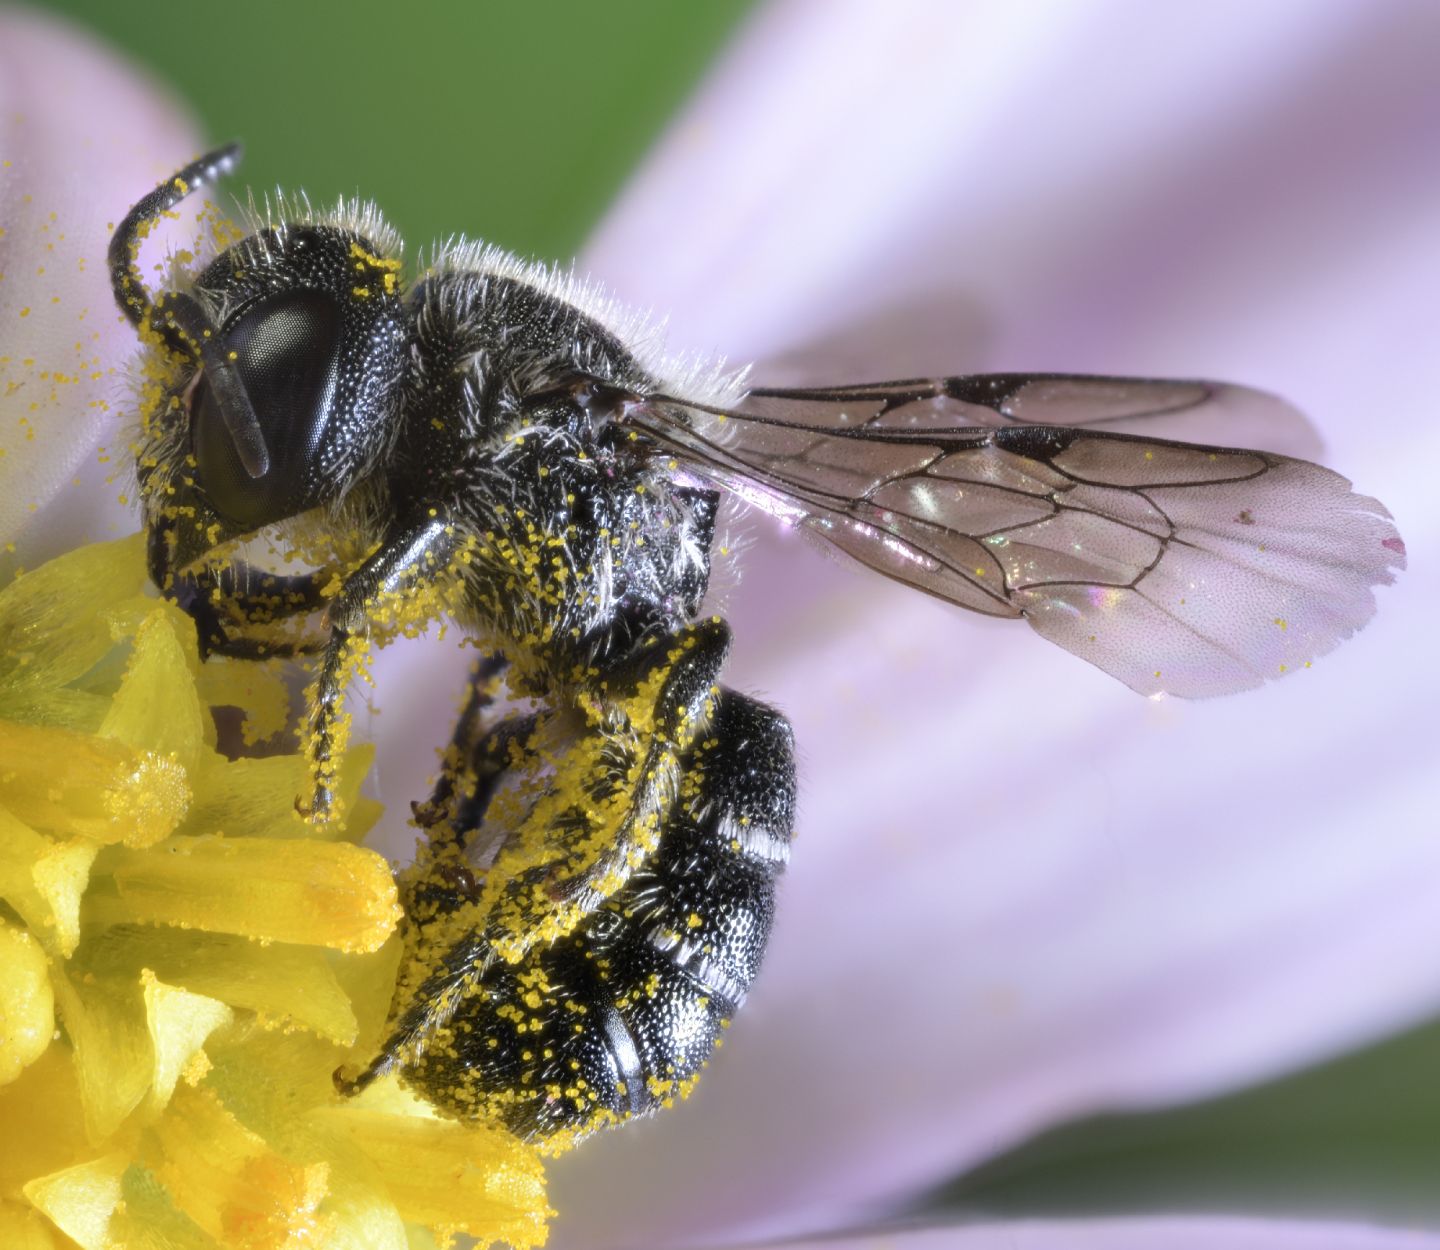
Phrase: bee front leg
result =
(402, 585)
(222, 602)
(273, 599)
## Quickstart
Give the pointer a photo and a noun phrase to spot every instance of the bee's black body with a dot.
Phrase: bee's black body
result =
(499, 445)
(466, 432)
(494, 356)
(654, 975)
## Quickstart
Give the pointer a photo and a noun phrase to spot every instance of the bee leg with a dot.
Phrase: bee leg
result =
(443, 882)
(532, 895)
(433, 1004)
(259, 596)
(220, 602)
(605, 800)
(241, 647)
(474, 763)
(414, 559)
(215, 613)
(450, 869)
(203, 598)
(484, 683)
(493, 754)
(480, 756)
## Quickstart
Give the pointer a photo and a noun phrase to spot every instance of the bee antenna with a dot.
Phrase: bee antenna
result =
(124, 255)
(179, 318)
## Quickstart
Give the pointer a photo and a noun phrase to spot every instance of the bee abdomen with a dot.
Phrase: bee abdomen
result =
(696, 920)
(618, 1018)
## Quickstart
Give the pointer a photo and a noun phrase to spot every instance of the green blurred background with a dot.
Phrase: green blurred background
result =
(517, 123)
(510, 122)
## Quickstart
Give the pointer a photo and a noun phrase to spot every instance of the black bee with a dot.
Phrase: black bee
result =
(497, 443)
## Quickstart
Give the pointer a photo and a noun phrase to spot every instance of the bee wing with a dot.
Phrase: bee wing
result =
(1189, 569)
(1188, 411)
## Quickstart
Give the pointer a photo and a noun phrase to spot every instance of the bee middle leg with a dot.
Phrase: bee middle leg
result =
(456, 764)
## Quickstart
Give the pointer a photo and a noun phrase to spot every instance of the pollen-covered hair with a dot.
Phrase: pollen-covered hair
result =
(694, 376)
(279, 210)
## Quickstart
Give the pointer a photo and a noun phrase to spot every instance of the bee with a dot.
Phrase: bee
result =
(496, 443)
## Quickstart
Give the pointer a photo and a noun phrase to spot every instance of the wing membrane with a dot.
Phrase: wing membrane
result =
(1191, 569)
(1187, 410)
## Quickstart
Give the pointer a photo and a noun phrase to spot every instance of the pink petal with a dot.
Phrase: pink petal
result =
(1153, 1233)
(1020, 893)
(82, 136)
(1003, 920)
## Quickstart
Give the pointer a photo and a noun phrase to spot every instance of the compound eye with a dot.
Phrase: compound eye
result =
(285, 350)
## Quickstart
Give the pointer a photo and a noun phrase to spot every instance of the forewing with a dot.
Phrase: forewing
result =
(1182, 568)
(1185, 410)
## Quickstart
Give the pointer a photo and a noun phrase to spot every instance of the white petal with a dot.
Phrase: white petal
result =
(1021, 894)
(82, 136)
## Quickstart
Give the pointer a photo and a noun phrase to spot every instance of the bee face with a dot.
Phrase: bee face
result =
(312, 323)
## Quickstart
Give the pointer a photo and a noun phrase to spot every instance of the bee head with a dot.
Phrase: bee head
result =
(298, 339)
